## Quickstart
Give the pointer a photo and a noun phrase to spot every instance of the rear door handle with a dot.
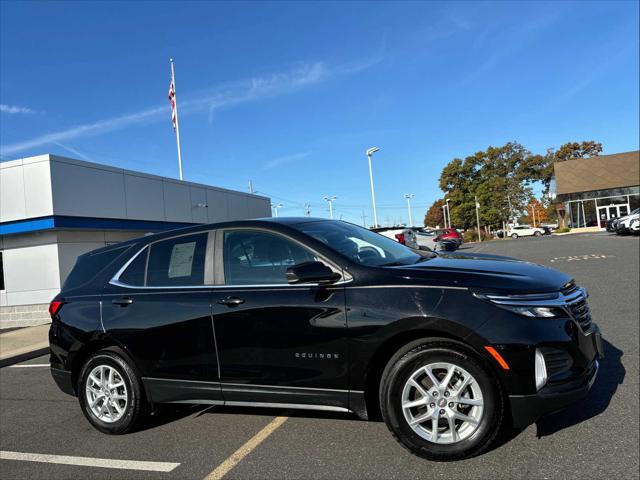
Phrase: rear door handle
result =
(231, 301)
(123, 302)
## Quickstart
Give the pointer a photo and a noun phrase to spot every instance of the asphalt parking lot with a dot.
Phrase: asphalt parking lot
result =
(595, 438)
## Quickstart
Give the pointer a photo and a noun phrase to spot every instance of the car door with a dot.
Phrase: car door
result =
(277, 343)
(158, 308)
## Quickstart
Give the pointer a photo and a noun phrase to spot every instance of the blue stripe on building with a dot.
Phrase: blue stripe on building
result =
(86, 223)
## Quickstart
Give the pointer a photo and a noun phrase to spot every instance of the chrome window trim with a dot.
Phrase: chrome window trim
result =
(115, 280)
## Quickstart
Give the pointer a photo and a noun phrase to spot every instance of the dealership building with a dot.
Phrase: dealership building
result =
(53, 209)
(594, 190)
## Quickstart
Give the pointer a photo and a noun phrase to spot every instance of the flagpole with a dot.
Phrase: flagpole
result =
(175, 100)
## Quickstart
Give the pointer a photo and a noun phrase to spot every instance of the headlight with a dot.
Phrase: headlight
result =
(539, 312)
(528, 305)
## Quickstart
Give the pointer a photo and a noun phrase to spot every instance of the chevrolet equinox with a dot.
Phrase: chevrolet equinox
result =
(324, 315)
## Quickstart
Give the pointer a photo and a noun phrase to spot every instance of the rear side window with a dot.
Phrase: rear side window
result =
(177, 261)
(134, 274)
(89, 265)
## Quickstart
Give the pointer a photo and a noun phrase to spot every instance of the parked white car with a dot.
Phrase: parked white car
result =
(524, 231)
(629, 223)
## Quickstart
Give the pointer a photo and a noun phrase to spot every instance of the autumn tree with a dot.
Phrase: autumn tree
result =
(435, 215)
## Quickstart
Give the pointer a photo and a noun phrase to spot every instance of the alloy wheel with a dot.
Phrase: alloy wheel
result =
(106, 393)
(442, 403)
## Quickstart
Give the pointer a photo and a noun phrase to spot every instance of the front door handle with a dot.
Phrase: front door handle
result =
(123, 302)
(231, 301)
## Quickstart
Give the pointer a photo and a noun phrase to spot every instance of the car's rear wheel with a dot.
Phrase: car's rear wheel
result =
(110, 393)
(440, 402)
(514, 235)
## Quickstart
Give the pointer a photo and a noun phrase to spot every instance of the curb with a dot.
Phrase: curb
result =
(22, 357)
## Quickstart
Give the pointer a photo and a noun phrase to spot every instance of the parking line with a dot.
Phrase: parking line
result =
(237, 456)
(31, 365)
(89, 462)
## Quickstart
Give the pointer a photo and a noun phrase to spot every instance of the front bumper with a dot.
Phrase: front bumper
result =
(526, 409)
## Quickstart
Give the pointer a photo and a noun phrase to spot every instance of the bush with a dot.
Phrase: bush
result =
(471, 235)
(562, 230)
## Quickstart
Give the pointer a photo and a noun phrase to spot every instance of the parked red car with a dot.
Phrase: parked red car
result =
(449, 234)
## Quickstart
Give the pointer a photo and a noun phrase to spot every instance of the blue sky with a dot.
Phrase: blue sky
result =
(290, 95)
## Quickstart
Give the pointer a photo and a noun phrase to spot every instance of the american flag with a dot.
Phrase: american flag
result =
(172, 99)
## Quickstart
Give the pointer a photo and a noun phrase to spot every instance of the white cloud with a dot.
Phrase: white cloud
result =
(277, 162)
(252, 89)
(13, 109)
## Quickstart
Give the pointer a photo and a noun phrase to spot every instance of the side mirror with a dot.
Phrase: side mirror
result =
(311, 272)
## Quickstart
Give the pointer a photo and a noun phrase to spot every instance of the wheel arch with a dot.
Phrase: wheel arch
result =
(407, 340)
(96, 345)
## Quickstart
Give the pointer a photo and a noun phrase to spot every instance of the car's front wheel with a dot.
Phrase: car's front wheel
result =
(110, 393)
(537, 233)
(514, 235)
(440, 402)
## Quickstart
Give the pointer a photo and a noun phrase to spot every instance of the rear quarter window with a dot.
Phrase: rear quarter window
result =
(89, 265)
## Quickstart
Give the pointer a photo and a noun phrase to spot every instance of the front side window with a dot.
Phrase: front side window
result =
(177, 261)
(260, 258)
(359, 244)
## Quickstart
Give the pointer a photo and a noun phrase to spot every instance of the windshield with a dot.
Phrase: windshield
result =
(359, 244)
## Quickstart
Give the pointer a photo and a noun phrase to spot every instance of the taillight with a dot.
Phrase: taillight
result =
(400, 238)
(54, 308)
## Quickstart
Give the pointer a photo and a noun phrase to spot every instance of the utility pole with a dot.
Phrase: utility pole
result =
(370, 152)
(448, 211)
(251, 187)
(478, 218)
(364, 219)
(330, 200)
(307, 209)
(275, 207)
(409, 196)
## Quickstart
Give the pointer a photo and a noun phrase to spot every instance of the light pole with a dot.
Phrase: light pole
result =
(330, 201)
(370, 152)
(275, 207)
(448, 212)
(409, 196)
(478, 218)
(307, 209)
(444, 215)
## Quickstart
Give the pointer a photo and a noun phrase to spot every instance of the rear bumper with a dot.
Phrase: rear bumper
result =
(526, 409)
(64, 380)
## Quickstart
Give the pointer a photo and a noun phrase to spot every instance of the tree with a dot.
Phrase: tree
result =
(498, 176)
(536, 208)
(540, 167)
(435, 216)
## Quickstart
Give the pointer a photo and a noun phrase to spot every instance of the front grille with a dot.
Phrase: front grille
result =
(569, 288)
(579, 310)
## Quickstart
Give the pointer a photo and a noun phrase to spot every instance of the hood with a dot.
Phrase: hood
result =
(485, 272)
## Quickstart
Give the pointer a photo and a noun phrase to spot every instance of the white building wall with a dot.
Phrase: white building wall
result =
(25, 189)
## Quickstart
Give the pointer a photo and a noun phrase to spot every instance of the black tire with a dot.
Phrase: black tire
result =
(537, 234)
(419, 354)
(136, 407)
(514, 236)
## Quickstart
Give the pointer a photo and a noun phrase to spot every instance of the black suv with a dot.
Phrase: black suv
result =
(323, 315)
